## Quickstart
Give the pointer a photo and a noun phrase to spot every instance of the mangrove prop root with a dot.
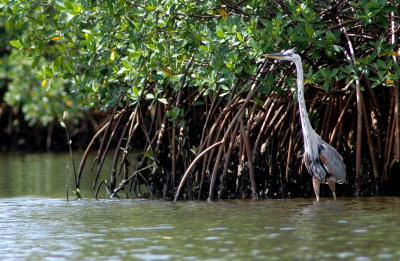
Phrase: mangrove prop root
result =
(340, 119)
(133, 175)
(370, 143)
(106, 185)
(294, 112)
(246, 139)
(227, 159)
(103, 140)
(237, 117)
(100, 166)
(191, 166)
(117, 151)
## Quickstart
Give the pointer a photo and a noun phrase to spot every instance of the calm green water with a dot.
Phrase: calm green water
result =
(37, 223)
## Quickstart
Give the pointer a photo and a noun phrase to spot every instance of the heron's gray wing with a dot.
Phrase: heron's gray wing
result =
(332, 162)
(314, 167)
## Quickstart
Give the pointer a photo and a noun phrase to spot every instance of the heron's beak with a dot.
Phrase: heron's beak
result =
(278, 56)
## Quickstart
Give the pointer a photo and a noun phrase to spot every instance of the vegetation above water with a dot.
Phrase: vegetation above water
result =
(189, 81)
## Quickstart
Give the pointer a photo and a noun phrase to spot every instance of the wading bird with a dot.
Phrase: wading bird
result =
(322, 161)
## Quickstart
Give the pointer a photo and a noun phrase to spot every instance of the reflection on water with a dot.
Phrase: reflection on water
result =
(40, 228)
(347, 229)
(44, 174)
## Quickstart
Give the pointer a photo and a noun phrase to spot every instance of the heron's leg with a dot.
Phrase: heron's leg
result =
(332, 186)
(316, 183)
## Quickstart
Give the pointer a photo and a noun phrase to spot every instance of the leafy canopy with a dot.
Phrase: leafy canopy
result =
(106, 52)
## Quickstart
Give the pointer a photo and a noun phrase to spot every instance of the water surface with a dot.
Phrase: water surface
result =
(37, 223)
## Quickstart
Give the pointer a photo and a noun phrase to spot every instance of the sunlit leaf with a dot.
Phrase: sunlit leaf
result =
(65, 116)
(152, 46)
(203, 48)
(134, 54)
(112, 55)
(150, 96)
(16, 44)
(126, 64)
(239, 36)
(220, 33)
(163, 100)
(135, 91)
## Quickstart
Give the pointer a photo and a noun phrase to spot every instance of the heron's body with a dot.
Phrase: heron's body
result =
(322, 161)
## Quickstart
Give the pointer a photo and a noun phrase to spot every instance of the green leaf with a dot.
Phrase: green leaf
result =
(381, 64)
(10, 22)
(35, 62)
(326, 86)
(239, 36)
(148, 154)
(16, 43)
(309, 30)
(57, 63)
(220, 33)
(135, 91)
(397, 69)
(172, 113)
(334, 72)
(152, 46)
(126, 64)
(134, 54)
(262, 80)
(49, 72)
(203, 48)
(60, 47)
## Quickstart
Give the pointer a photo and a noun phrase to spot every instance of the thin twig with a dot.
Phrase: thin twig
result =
(70, 152)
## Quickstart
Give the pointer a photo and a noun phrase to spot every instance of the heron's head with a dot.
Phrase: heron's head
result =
(287, 55)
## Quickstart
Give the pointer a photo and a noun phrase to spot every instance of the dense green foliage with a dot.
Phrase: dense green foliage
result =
(41, 103)
(126, 53)
(109, 49)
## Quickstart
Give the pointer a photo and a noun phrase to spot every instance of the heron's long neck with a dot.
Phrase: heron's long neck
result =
(305, 122)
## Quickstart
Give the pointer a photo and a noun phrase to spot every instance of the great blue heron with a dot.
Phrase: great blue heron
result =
(322, 161)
